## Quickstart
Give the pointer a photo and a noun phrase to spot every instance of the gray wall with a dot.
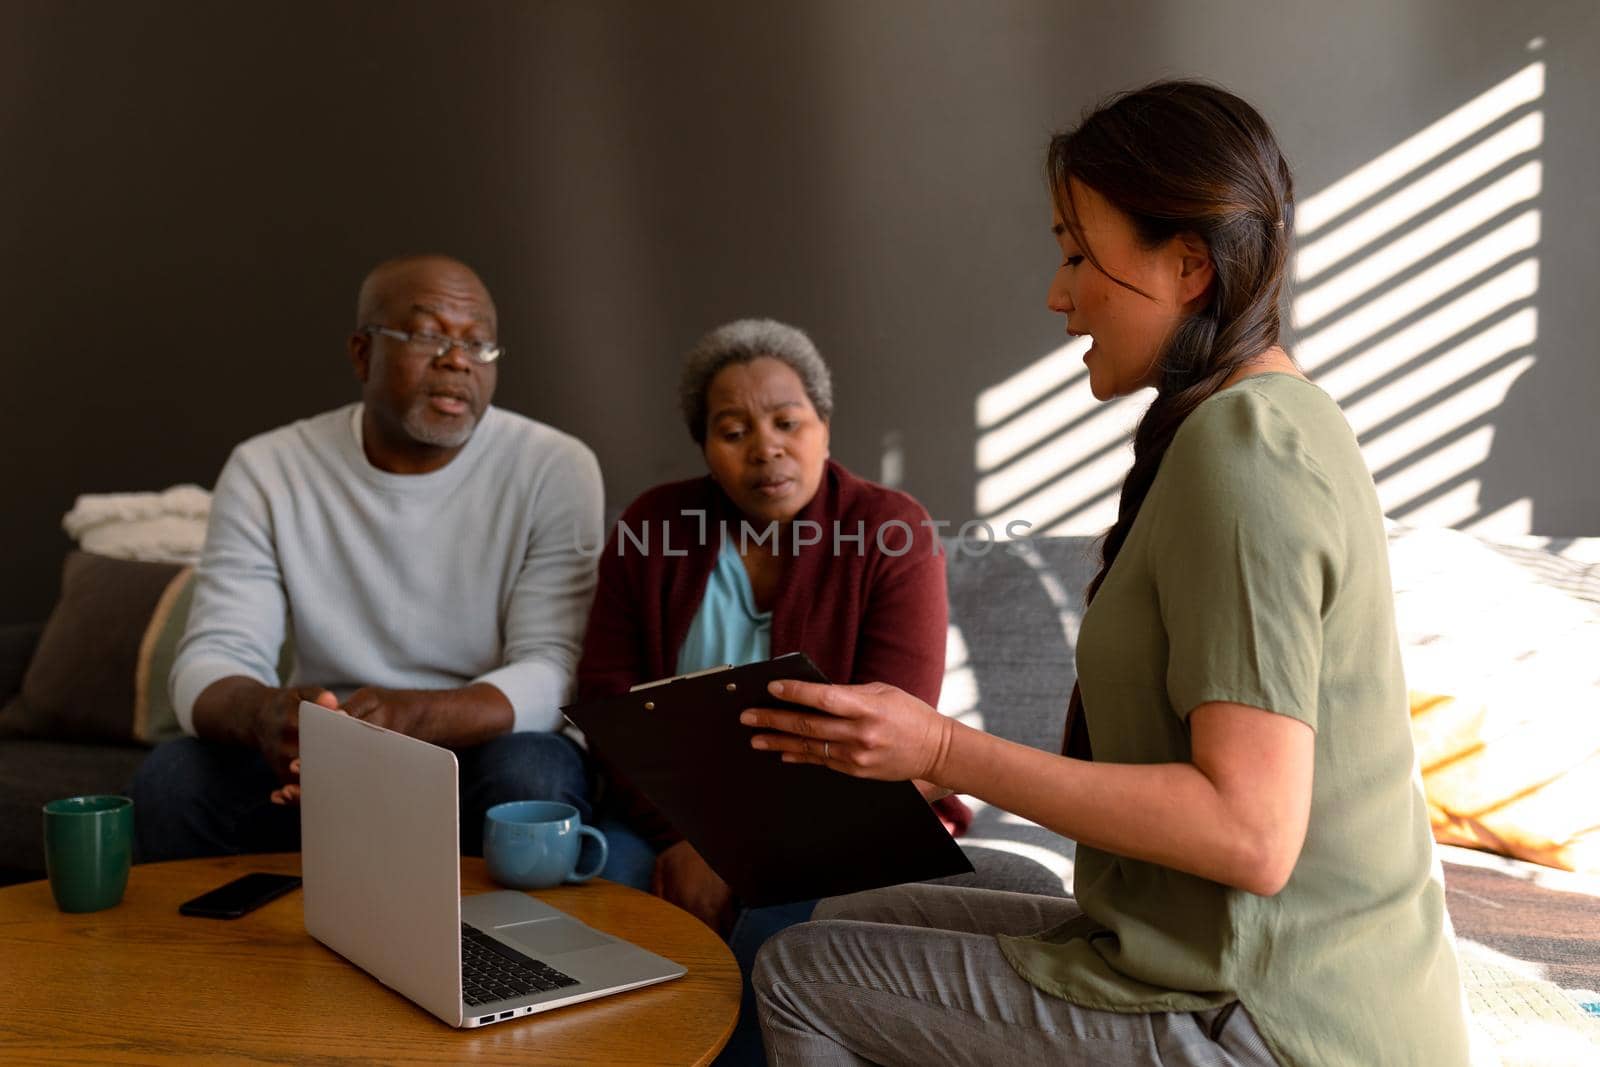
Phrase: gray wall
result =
(190, 193)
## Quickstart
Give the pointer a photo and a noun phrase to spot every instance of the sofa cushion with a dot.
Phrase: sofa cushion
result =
(1532, 793)
(1499, 647)
(17, 642)
(1512, 623)
(100, 670)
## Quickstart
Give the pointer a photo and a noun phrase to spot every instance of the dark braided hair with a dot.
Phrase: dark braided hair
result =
(1183, 157)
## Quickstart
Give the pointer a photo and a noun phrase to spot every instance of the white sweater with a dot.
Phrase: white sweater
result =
(471, 573)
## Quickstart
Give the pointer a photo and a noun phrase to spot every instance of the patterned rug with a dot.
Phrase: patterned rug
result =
(1527, 1021)
(1529, 942)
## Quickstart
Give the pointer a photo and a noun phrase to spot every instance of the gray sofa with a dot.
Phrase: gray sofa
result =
(1013, 614)
(1014, 618)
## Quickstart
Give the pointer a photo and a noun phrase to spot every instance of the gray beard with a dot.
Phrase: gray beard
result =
(416, 424)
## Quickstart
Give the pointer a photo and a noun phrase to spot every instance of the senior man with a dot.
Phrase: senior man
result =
(419, 548)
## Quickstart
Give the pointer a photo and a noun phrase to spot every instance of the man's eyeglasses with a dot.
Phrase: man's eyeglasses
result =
(437, 347)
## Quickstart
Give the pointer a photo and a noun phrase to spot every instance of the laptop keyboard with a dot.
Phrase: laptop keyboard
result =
(492, 970)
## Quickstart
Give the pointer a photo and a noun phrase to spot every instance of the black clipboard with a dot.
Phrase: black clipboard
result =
(775, 832)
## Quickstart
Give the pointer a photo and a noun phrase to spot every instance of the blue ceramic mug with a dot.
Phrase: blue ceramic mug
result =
(534, 844)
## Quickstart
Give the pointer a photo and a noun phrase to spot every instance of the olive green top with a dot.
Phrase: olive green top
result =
(1257, 572)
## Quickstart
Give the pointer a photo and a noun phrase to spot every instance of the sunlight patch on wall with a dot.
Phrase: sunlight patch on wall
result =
(1417, 280)
(1048, 453)
(1524, 87)
(1416, 276)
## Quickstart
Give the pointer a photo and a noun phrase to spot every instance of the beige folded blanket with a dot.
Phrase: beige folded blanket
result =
(168, 526)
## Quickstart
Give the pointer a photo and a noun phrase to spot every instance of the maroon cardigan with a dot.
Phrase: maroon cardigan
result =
(861, 613)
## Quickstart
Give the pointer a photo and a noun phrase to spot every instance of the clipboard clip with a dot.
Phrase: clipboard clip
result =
(679, 677)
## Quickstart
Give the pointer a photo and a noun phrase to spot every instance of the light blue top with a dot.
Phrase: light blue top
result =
(727, 628)
(480, 571)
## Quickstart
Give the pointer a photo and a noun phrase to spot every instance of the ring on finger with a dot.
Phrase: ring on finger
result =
(824, 751)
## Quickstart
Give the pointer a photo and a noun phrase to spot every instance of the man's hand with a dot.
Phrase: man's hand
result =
(683, 878)
(453, 718)
(404, 711)
(238, 710)
(276, 725)
(277, 730)
(242, 711)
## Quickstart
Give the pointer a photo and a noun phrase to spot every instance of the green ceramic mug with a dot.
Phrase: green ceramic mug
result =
(88, 847)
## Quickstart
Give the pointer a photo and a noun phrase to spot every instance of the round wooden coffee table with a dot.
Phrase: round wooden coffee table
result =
(139, 982)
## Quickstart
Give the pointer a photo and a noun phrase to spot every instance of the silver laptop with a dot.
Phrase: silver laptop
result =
(381, 862)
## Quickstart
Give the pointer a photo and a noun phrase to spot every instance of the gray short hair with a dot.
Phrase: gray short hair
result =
(741, 342)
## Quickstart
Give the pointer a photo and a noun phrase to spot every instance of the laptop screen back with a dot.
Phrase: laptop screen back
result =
(381, 855)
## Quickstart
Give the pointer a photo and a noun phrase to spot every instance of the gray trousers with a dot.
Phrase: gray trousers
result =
(914, 975)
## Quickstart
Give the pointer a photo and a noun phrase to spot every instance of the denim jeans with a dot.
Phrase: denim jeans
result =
(202, 798)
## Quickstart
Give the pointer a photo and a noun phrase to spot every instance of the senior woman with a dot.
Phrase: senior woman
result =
(746, 579)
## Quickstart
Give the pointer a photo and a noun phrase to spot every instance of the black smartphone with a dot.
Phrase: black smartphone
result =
(240, 896)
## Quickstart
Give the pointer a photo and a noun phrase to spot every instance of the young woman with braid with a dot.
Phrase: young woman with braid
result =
(1254, 879)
